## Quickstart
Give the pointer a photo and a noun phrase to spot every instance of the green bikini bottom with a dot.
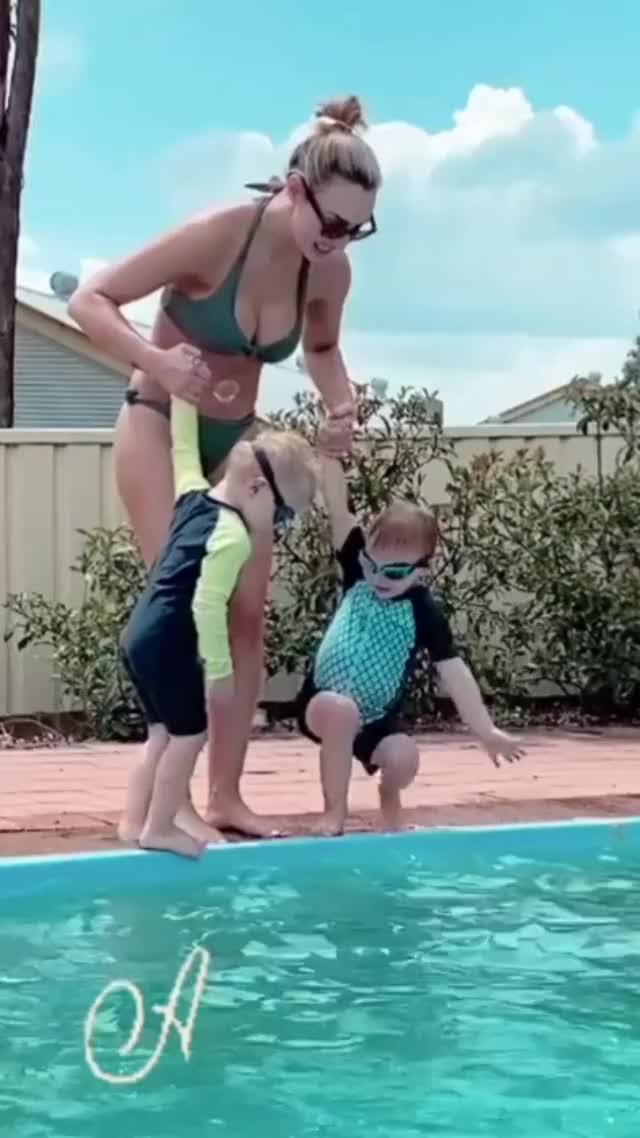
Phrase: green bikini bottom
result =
(216, 437)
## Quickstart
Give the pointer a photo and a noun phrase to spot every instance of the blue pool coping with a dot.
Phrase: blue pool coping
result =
(578, 843)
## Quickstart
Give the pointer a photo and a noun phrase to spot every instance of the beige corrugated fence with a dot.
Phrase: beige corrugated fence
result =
(53, 483)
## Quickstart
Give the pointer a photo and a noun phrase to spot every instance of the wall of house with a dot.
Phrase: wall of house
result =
(53, 483)
(57, 387)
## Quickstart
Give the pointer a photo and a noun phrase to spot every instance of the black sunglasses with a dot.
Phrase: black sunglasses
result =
(335, 229)
(283, 514)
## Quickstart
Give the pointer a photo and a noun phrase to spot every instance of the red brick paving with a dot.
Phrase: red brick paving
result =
(70, 798)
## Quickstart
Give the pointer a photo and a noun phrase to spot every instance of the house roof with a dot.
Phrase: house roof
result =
(54, 308)
(47, 315)
(545, 399)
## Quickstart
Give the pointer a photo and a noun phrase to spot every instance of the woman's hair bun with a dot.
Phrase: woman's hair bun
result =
(347, 113)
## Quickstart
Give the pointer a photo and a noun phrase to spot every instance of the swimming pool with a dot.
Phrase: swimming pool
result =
(456, 983)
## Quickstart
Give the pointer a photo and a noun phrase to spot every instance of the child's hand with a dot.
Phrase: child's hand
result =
(498, 744)
(336, 434)
(325, 443)
(221, 692)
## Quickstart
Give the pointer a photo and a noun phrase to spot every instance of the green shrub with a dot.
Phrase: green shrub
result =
(539, 572)
(543, 573)
(83, 641)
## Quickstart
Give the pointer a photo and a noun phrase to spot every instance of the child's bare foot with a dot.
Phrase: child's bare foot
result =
(129, 831)
(173, 840)
(189, 820)
(328, 825)
(391, 809)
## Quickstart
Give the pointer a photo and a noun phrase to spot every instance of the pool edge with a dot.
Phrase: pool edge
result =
(281, 850)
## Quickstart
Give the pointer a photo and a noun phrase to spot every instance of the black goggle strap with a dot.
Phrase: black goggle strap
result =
(283, 511)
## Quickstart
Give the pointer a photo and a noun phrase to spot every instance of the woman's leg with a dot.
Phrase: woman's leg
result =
(144, 476)
(335, 720)
(398, 758)
(230, 728)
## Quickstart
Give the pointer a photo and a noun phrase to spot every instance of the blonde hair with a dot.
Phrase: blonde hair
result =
(292, 458)
(335, 149)
(405, 524)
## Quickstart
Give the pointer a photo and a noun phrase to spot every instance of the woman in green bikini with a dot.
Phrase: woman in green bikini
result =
(241, 287)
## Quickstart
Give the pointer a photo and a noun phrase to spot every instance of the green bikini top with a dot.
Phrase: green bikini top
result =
(210, 322)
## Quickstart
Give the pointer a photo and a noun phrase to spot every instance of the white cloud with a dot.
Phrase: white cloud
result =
(507, 258)
(32, 274)
(503, 222)
(476, 376)
(28, 248)
(30, 270)
(508, 252)
(142, 311)
(61, 59)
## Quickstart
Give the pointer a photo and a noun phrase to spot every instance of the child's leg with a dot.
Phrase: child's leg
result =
(335, 720)
(170, 791)
(140, 786)
(398, 758)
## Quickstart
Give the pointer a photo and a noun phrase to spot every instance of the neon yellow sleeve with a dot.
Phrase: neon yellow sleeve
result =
(187, 467)
(228, 549)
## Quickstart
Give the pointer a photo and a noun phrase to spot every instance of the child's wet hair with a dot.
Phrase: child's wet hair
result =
(404, 524)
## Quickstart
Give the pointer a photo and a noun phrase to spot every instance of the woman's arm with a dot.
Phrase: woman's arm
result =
(333, 484)
(185, 254)
(329, 288)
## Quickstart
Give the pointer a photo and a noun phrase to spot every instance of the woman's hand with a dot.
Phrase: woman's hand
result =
(336, 435)
(180, 370)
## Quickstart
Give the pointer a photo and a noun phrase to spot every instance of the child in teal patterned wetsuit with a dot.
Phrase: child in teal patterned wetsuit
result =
(350, 700)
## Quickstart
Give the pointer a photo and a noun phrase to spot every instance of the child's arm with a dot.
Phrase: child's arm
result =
(185, 452)
(228, 549)
(333, 484)
(435, 634)
(461, 686)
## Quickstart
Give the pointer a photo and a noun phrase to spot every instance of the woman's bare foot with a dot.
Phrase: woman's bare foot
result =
(233, 814)
(391, 809)
(328, 825)
(129, 831)
(189, 820)
(174, 840)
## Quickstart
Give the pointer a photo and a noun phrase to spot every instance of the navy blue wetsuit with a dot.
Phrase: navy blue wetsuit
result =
(177, 636)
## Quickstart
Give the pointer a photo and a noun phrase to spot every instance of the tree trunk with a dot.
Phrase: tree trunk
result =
(17, 75)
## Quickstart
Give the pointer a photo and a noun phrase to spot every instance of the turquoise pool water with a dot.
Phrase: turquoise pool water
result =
(458, 984)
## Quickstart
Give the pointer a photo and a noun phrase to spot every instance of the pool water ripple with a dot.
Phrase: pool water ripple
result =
(390, 1003)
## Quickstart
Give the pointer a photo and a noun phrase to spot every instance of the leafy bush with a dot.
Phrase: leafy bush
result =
(84, 641)
(539, 572)
(542, 574)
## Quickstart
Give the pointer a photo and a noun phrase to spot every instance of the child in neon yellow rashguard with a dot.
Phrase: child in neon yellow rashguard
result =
(176, 644)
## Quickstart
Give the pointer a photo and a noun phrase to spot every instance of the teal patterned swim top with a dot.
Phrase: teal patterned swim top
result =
(370, 648)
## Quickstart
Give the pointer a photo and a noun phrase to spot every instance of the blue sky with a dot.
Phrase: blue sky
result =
(509, 249)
